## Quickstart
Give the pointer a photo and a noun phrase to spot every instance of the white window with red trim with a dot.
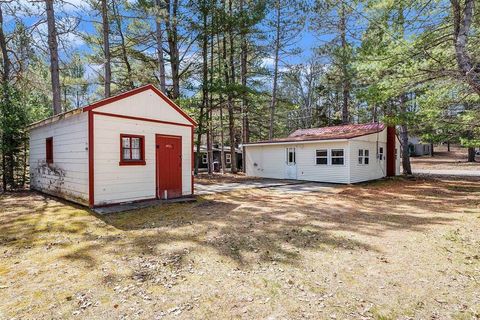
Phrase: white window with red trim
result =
(132, 149)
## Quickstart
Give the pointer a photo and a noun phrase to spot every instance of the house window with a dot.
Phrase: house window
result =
(290, 156)
(380, 153)
(396, 153)
(49, 150)
(228, 158)
(321, 156)
(204, 158)
(363, 156)
(338, 157)
(132, 149)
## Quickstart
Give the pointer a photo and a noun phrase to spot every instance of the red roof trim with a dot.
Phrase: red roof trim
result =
(134, 92)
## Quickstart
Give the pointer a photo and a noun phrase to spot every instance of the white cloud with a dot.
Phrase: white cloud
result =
(268, 62)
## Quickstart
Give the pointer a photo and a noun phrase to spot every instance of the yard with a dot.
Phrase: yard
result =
(456, 159)
(382, 250)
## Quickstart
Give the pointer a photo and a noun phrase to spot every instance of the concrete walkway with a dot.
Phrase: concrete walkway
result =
(448, 172)
(284, 186)
(219, 187)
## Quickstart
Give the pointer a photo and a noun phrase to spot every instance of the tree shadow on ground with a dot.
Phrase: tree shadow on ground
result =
(247, 226)
(279, 227)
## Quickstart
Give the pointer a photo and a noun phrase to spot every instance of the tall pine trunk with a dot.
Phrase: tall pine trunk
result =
(471, 154)
(106, 50)
(5, 97)
(243, 73)
(172, 35)
(221, 102)
(159, 38)
(231, 109)
(273, 103)
(345, 80)
(210, 102)
(123, 47)
(54, 61)
(406, 165)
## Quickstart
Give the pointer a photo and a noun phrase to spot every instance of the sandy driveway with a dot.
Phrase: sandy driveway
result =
(393, 249)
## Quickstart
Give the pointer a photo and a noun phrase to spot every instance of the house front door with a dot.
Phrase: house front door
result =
(291, 164)
(169, 166)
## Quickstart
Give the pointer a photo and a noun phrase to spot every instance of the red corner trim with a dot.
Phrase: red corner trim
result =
(192, 169)
(135, 91)
(91, 191)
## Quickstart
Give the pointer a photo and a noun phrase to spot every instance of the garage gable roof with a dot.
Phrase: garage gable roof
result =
(330, 133)
(112, 99)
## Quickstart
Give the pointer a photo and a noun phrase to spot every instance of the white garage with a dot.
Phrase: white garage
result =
(338, 154)
(134, 146)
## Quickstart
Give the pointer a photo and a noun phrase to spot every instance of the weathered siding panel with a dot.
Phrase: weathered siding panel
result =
(146, 104)
(114, 183)
(67, 176)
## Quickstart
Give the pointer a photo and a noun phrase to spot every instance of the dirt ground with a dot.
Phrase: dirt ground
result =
(456, 159)
(393, 249)
(206, 179)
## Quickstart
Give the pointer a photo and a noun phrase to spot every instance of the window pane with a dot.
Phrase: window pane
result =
(365, 160)
(366, 153)
(321, 153)
(337, 153)
(360, 160)
(135, 154)
(337, 161)
(126, 142)
(136, 143)
(290, 157)
(360, 152)
(381, 149)
(126, 154)
(321, 160)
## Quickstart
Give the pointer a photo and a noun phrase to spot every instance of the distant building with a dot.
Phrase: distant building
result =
(417, 148)
(217, 163)
(340, 154)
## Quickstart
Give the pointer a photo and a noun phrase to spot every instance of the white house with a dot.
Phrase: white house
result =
(340, 154)
(417, 147)
(134, 146)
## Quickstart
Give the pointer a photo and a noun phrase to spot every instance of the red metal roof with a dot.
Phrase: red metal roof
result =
(330, 133)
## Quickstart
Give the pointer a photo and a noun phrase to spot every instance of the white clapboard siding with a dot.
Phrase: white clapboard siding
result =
(146, 104)
(265, 161)
(67, 176)
(269, 161)
(114, 183)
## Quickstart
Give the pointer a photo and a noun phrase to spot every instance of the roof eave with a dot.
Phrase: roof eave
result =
(110, 100)
(311, 140)
(293, 142)
(55, 118)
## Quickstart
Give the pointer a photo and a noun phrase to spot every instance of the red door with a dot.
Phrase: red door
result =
(169, 167)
